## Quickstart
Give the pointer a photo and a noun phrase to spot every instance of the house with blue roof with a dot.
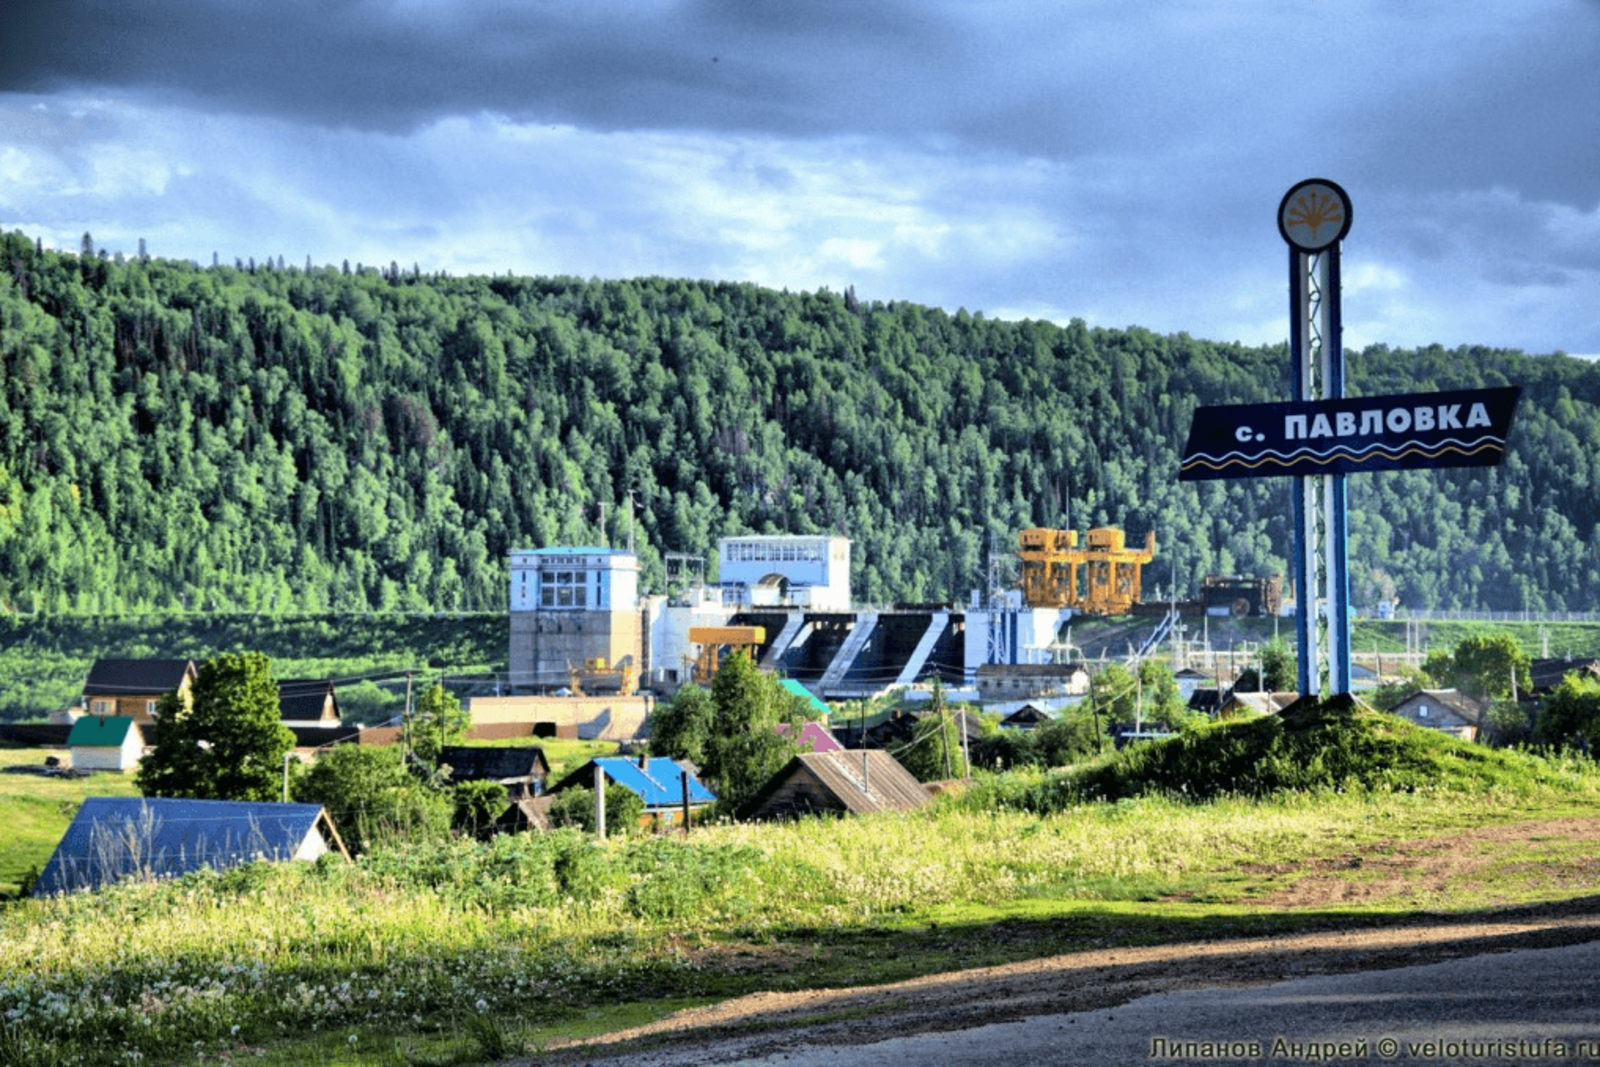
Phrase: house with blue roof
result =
(658, 781)
(116, 838)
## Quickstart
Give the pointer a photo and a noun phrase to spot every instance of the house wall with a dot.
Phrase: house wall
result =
(802, 789)
(108, 757)
(311, 847)
(140, 707)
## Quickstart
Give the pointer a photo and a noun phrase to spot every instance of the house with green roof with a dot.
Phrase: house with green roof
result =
(106, 743)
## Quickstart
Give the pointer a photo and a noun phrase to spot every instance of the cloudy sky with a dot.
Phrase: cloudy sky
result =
(1116, 161)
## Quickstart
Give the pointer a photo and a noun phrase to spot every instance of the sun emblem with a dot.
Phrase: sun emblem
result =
(1314, 215)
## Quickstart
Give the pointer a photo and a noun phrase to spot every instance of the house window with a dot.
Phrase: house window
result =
(100, 707)
(150, 707)
(1423, 711)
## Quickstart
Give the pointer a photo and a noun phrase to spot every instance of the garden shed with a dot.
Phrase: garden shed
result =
(106, 743)
(114, 838)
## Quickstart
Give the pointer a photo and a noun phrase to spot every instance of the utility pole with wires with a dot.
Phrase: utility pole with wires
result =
(405, 724)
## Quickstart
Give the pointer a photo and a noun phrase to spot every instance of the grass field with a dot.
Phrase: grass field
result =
(462, 952)
(36, 810)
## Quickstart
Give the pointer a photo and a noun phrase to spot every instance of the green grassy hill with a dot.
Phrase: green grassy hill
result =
(1334, 746)
(44, 659)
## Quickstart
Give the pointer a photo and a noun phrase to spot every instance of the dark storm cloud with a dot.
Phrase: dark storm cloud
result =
(395, 66)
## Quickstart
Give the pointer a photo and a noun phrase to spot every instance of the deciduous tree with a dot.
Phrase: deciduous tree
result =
(229, 744)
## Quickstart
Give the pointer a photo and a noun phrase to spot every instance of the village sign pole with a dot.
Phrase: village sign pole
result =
(1321, 435)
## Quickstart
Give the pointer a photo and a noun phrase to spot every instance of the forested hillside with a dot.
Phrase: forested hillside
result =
(272, 439)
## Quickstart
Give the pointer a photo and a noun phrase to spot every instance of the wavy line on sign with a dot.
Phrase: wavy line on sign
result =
(1330, 457)
(1378, 446)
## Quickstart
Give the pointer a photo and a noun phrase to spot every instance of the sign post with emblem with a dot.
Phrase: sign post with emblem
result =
(1322, 435)
(1313, 218)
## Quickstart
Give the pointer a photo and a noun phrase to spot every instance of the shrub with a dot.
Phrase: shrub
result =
(574, 807)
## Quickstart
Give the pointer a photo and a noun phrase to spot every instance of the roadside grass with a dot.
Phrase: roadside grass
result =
(457, 952)
(36, 810)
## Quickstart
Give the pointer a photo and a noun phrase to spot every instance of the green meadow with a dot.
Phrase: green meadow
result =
(465, 952)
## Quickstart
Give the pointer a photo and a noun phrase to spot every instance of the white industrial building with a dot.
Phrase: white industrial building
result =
(781, 571)
(572, 608)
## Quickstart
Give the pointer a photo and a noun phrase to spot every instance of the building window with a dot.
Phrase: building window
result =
(100, 707)
(564, 589)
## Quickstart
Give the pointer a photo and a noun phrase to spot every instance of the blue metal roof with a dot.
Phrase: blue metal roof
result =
(659, 782)
(151, 837)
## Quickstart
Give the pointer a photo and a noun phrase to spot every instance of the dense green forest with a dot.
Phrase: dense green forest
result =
(350, 439)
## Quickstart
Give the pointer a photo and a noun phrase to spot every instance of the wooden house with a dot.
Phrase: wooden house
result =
(1548, 674)
(1449, 710)
(116, 838)
(308, 702)
(522, 769)
(106, 743)
(1027, 717)
(1236, 704)
(132, 687)
(855, 782)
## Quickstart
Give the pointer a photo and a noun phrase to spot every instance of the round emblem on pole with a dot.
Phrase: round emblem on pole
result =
(1314, 215)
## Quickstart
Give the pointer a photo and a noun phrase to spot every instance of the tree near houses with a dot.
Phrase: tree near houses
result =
(679, 728)
(439, 720)
(1490, 667)
(1571, 714)
(229, 745)
(743, 747)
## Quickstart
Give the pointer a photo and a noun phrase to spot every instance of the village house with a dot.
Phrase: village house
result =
(132, 687)
(856, 782)
(663, 784)
(522, 769)
(1449, 710)
(115, 838)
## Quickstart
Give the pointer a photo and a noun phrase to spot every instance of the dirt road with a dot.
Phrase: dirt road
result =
(761, 1024)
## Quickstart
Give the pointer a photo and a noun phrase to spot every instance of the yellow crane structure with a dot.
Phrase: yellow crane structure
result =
(1110, 583)
(718, 642)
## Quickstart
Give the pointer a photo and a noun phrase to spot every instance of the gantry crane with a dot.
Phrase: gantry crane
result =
(1111, 571)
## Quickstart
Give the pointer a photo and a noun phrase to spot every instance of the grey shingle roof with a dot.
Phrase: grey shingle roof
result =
(130, 677)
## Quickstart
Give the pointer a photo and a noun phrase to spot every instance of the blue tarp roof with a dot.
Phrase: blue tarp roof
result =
(659, 782)
(149, 837)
